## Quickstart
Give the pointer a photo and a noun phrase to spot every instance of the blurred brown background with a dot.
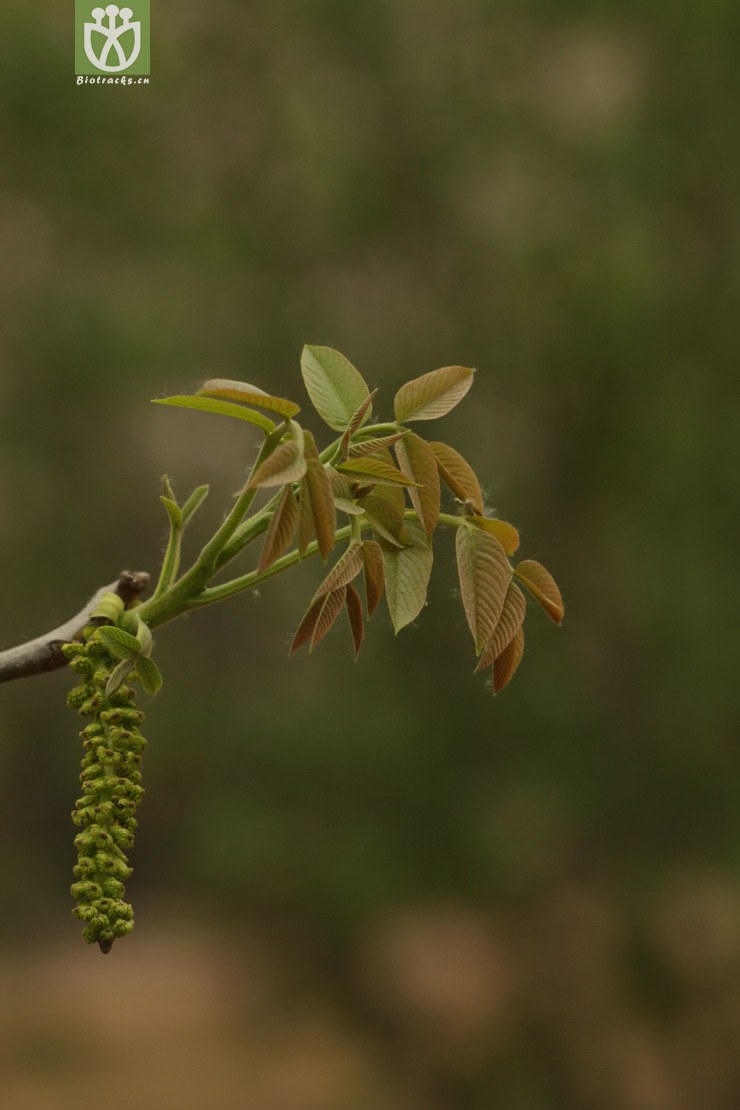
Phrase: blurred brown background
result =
(371, 886)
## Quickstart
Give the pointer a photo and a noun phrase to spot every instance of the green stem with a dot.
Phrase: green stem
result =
(171, 561)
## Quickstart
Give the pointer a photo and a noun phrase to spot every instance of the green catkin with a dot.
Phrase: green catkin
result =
(111, 790)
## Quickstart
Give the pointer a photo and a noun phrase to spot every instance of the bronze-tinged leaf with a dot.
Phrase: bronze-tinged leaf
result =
(358, 419)
(321, 496)
(510, 621)
(458, 475)
(335, 387)
(542, 585)
(433, 394)
(305, 519)
(281, 529)
(504, 532)
(505, 666)
(340, 483)
(407, 573)
(347, 567)
(484, 573)
(286, 464)
(372, 565)
(385, 517)
(248, 395)
(373, 470)
(418, 462)
(305, 629)
(322, 506)
(220, 408)
(331, 607)
(363, 447)
(347, 507)
(354, 615)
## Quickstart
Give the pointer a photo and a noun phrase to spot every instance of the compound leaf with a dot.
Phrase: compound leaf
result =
(433, 394)
(407, 573)
(542, 585)
(484, 574)
(336, 389)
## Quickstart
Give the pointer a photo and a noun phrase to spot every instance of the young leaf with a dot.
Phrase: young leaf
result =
(332, 606)
(407, 572)
(510, 621)
(305, 518)
(347, 567)
(118, 676)
(354, 615)
(374, 470)
(386, 518)
(484, 574)
(148, 673)
(504, 532)
(287, 463)
(321, 496)
(358, 419)
(417, 461)
(281, 529)
(226, 390)
(433, 394)
(194, 502)
(348, 507)
(507, 662)
(173, 511)
(341, 485)
(119, 643)
(542, 585)
(372, 566)
(336, 389)
(362, 447)
(458, 475)
(221, 408)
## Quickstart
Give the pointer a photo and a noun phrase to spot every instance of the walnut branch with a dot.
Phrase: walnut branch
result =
(43, 654)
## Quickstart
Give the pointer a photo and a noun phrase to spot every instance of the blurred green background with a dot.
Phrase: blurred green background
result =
(370, 886)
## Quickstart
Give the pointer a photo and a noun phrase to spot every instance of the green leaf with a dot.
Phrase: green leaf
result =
(194, 502)
(281, 529)
(417, 461)
(433, 394)
(374, 470)
(407, 573)
(336, 389)
(504, 532)
(484, 573)
(248, 395)
(543, 586)
(144, 636)
(373, 573)
(118, 642)
(118, 676)
(149, 674)
(458, 475)
(221, 408)
(173, 512)
(386, 518)
(287, 463)
(507, 662)
(354, 615)
(509, 623)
